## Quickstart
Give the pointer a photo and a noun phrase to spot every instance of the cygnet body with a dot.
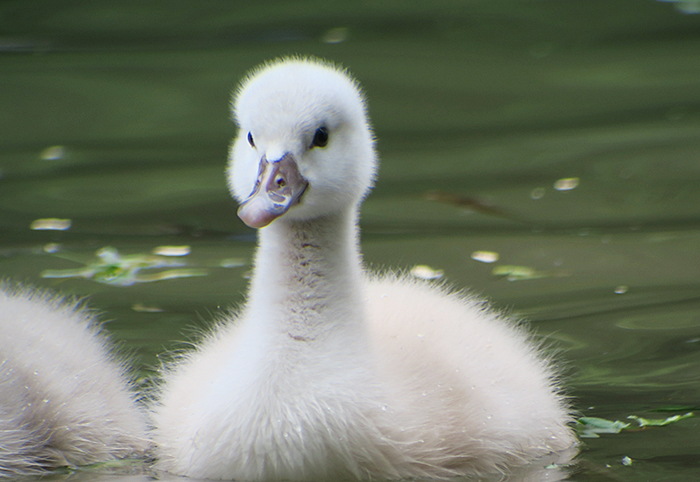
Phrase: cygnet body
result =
(64, 395)
(328, 371)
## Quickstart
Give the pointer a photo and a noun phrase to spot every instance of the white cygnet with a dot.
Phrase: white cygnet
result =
(330, 372)
(65, 398)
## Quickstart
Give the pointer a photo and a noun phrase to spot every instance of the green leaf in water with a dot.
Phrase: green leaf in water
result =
(658, 422)
(590, 427)
(115, 269)
(172, 274)
(422, 271)
(516, 272)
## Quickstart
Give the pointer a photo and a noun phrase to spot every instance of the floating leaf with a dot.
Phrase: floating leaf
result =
(172, 274)
(423, 271)
(537, 193)
(68, 273)
(52, 153)
(519, 273)
(590, 427)
(51, 224)
(658, 422)
(566, 184)
(485, 256)
(52, 248)
(115, 269)
(141, 308)
(172, 250)
(465, 202)
(335, 35)
(516, 272)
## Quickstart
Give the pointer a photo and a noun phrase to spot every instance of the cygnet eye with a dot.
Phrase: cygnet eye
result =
(250, 140)
(320, 138)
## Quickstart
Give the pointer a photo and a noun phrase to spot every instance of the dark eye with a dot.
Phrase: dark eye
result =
(320, 138)
(250, 140)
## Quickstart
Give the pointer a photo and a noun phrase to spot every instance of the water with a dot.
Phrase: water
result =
(115, 116)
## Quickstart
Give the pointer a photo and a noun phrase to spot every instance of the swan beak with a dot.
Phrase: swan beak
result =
(279, 187)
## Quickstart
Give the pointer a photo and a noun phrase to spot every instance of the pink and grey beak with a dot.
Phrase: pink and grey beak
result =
(279, 187)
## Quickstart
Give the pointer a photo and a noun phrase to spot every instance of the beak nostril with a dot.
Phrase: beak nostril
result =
(279, 186)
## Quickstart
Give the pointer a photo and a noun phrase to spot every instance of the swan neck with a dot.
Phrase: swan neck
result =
(307, 275)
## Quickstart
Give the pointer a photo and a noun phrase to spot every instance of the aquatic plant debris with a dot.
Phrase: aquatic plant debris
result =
(657, 422)
(52, 248)
(566, 184)
(117, 270)
(172, 250)
(141, 308)
(537, 193)
(519, 273)
(335, 35)
(621, 290)
(51, 224)
(53, 153)
(422, 271)
(592, 427)
(465, 202)
(485, 256)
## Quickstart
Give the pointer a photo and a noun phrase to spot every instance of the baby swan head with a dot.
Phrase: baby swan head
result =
(304, 147)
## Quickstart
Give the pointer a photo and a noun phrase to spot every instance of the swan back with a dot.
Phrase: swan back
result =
(63, 394)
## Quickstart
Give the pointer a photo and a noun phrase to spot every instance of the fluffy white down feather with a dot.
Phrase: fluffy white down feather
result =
(330, 372)
(64, 398)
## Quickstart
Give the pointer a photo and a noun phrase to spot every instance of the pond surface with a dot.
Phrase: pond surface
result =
(560, 137)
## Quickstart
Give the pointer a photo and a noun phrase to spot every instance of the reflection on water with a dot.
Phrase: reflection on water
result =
(545, 154)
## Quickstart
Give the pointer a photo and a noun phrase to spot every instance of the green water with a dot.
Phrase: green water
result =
(115, 115)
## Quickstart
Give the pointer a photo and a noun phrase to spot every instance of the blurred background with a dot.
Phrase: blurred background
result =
(544, 154)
